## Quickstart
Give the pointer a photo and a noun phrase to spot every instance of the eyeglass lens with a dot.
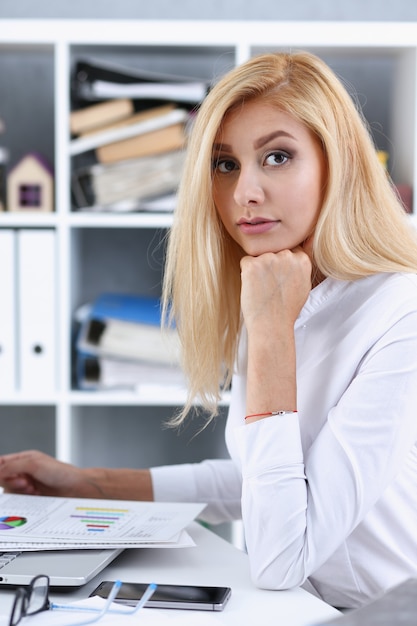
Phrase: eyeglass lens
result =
(38, 595)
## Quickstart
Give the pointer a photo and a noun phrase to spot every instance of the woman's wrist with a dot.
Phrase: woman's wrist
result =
(255, 417)
(114, 484)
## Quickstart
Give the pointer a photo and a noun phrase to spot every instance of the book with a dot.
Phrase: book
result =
(158, 141)
(98, 115)
(129, 327)
(129, 340)
(132, 180)
(405, 194)
(4, 158)
(134, 118)
(403, 191)
(144, 123)
(95, 80)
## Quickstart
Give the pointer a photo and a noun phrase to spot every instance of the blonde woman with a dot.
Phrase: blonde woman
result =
(291, 273)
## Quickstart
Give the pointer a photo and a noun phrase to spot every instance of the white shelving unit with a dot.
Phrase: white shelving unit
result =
(99, 252)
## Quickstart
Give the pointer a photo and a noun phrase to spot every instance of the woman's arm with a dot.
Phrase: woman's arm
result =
(274, 290)
(35, 473)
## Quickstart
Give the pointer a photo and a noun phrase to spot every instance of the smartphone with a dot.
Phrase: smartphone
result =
(169, 596)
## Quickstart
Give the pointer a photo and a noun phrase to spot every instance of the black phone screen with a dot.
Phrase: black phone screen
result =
(169, 596)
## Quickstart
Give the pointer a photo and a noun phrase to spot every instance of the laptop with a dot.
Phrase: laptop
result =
(65, 568)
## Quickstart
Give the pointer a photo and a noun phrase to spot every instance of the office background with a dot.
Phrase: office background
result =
(21, 134)
(384, 10)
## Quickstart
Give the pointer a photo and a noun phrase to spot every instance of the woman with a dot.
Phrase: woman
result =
(291, 273)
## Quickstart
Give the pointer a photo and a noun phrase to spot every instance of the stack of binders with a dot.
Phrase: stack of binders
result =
(121, 346)
(129, 129)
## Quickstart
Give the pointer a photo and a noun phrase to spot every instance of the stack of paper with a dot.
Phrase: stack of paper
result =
(51, 523)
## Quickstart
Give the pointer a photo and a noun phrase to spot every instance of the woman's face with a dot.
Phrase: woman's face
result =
(269, 176)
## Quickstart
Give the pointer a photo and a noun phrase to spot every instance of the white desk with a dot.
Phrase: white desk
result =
(212, 562)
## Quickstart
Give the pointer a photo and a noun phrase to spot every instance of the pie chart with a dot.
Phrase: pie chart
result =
(11, 521)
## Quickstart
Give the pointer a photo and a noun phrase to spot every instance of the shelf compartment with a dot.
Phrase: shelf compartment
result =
(141, 438)
(27, 427)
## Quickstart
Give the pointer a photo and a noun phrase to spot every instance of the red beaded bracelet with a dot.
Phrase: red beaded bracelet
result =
(270, 413)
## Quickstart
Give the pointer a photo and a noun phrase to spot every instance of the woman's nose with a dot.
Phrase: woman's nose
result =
(249, 189)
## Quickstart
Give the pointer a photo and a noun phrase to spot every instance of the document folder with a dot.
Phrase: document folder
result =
(7, 312)
(37, 310)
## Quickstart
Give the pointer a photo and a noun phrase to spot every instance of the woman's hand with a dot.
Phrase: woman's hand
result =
(34, 473)
(275, 286)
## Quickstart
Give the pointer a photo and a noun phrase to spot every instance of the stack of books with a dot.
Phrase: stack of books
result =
(133, 127)
(121, 346)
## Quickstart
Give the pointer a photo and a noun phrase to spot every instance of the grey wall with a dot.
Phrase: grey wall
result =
(384, 10)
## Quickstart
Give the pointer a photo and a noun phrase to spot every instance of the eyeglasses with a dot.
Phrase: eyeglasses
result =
(30, 601)
(34, 599)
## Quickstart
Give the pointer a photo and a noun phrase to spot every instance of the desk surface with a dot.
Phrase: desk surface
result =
(212, 562)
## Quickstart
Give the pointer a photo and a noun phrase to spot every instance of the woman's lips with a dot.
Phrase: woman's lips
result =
(256, 227)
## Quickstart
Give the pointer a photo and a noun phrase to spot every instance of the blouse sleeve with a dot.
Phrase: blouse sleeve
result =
(216, 482)
(298, 506)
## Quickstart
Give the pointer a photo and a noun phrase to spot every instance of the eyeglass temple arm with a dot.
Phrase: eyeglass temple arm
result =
(113, 593)
(68, 607)
(149, 591)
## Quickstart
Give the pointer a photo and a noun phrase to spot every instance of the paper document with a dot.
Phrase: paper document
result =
(182, 540)
(183, 92)
(43, 522)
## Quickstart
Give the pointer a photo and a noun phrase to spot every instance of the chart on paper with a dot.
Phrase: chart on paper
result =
(11, 521)
(97, 519)
(37, 519)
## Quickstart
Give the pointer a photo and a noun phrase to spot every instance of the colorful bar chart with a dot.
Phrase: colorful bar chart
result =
(98, 520)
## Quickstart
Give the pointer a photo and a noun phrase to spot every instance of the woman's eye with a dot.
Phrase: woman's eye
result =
(224, 166)
(276, 158)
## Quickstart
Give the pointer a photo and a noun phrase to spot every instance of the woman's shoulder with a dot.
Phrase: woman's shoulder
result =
(388, 291)
(400, 282)
(385, 291)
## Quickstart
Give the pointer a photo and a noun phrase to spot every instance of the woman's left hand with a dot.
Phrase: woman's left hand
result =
(275, 286)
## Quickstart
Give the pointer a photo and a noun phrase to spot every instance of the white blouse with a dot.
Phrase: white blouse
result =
(328, 496)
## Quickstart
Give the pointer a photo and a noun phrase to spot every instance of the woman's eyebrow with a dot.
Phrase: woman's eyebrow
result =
(258, 143)
(276, 133)
(217, 147)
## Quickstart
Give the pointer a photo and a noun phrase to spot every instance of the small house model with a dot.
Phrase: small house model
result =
(30, 185)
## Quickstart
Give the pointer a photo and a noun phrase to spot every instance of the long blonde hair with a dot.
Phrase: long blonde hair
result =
(362, 228)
